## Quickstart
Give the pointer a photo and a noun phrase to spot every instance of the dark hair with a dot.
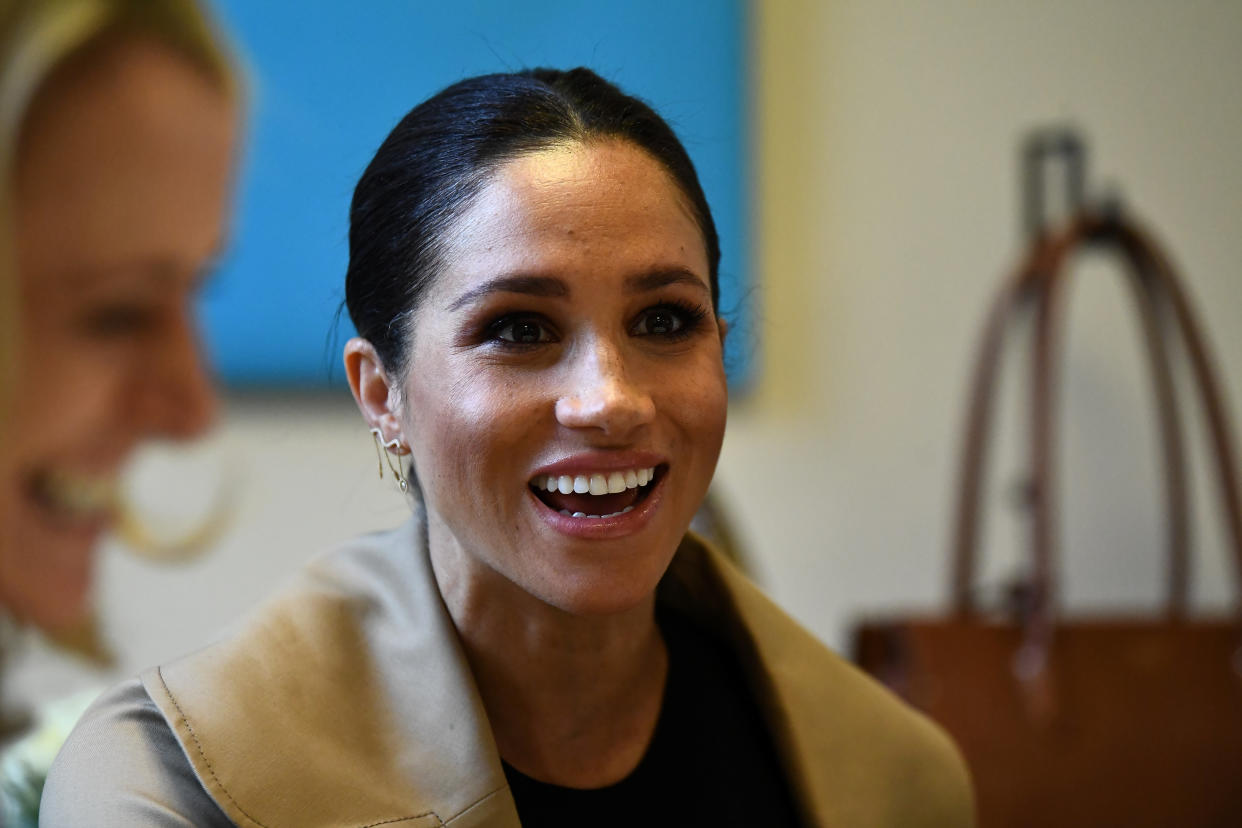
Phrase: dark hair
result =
(425, 174)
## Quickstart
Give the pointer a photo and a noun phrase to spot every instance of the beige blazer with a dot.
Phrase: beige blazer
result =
(347, 701)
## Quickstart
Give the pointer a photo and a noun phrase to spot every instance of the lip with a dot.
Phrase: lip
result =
(600, 461)
(604, 528)
(84, 530)
(86, 527)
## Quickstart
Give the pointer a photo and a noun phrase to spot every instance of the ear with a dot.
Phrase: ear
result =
(377, 395)
(723, 325)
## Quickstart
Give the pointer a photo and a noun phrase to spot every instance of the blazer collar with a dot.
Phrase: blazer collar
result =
(345, 701)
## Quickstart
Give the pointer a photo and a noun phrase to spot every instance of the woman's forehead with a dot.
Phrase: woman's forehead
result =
(576, 209)
(125, 163)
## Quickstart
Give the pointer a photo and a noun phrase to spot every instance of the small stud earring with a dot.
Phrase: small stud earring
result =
(382, 448)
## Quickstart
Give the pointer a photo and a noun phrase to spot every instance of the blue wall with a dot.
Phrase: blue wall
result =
(326, 86)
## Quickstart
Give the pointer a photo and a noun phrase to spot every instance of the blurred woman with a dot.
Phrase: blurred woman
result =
(118, 125)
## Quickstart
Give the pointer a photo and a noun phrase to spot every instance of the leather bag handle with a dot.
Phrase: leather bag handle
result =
(1027, 286)
(1158, 288)
(1041, 150)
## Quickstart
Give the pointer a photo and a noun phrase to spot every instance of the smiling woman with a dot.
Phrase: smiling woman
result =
(569, 333)
(533, 277)
(117, 132)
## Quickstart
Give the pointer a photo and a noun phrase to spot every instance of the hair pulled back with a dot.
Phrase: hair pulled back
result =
(425, 174)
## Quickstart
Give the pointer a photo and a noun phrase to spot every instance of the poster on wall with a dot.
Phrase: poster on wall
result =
(326, 81)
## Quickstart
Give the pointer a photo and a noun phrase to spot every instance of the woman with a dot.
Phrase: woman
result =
(118, 122)
(533, 280)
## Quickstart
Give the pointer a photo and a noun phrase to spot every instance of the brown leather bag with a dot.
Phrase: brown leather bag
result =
(1093, 721)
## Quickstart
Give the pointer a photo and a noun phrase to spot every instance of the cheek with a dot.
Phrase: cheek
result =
(698, 403)
(69, 383)
(470, 432)
(69, 393)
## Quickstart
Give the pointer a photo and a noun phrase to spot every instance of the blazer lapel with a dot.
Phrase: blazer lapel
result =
(345, 702)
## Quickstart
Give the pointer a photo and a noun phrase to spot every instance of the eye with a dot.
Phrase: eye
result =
(672, 321)
(117, 321)
(658, 322)
(521, 330)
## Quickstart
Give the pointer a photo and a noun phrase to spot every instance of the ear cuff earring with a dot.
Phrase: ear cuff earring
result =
(382, 449)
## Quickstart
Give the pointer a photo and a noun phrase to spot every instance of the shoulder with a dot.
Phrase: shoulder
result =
(889, 757)
(347, 690)
(123, 766)
(858, 754)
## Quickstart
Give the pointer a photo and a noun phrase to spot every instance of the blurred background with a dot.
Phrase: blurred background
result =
(876, 211)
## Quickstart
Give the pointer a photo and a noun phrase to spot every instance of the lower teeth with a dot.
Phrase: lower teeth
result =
(567, 513)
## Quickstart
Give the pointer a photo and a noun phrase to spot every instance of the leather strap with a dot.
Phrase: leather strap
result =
(1039, 281)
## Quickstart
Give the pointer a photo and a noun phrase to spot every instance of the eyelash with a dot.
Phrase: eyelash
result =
(689, 315)
(116, 321)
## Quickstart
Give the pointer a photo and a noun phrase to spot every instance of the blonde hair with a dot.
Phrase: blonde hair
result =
(37, 37)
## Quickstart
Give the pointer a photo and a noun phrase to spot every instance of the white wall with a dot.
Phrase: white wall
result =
(886, 209)
(887, 188)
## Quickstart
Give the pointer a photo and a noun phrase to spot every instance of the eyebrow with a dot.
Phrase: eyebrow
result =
(88, 278)
(144, 273)
(529, 285)
(663, 277)
(551, 286)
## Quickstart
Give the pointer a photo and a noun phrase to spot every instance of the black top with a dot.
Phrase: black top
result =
(710, 762)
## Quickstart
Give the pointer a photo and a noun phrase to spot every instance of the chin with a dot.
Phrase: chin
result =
(603, 591)
(58, 609)
(50, 588)
(68, 608)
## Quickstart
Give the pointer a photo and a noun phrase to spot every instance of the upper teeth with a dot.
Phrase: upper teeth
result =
(78, 495)
(596, 484)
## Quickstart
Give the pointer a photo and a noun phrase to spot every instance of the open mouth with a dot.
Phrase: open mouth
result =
(597, 495)
(70, 497)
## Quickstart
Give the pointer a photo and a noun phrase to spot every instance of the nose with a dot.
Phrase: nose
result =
(601, 395)
(175, 396)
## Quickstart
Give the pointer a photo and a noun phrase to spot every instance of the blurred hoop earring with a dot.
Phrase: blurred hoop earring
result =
(137, 533)
(382, 450)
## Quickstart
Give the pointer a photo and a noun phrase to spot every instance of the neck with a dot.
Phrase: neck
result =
(572, 700)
